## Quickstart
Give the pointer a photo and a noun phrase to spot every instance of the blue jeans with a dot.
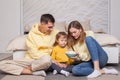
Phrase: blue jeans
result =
(97, 54)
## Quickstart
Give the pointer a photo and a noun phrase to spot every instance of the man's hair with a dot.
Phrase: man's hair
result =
(45, 18)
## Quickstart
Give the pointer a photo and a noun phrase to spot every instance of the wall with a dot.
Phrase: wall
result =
(68, 10)
(115, 18)
(9, 21)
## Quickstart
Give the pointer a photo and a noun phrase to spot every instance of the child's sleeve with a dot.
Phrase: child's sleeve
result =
(53, 54)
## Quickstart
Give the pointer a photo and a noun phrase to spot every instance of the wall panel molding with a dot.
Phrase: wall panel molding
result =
(97, 11)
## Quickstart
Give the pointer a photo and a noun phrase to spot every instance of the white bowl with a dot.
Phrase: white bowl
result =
(71, 54)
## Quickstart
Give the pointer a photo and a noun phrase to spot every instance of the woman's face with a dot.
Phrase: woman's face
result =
(74, 32)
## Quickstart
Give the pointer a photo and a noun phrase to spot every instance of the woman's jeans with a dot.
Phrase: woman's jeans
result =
(97, 54)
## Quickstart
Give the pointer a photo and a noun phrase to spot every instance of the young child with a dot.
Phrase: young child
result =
(61, 62)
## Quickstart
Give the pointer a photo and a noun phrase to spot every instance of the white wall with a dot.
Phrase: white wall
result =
(9, 21)
(68, 10)
(114, 12)
(115, 18)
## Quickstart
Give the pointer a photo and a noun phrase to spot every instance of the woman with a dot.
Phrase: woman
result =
(91, 56)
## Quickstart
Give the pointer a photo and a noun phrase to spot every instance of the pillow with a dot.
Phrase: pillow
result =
(106, 39)
(60, 26)
(85, 24)
(98, 30)
(17, 43)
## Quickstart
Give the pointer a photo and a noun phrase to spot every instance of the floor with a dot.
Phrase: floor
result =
(50, 76)
(103, 77)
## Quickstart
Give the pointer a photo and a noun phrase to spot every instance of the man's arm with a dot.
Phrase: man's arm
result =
(33, 50)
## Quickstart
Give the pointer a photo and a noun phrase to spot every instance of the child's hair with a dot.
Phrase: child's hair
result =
(58, 35)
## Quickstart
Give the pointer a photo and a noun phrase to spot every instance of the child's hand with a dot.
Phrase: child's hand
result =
(62, 65)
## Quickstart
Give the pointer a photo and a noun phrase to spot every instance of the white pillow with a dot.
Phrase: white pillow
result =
(98, 30)
(60, 26)
(85, 24)
(17, 43)
(106, 39)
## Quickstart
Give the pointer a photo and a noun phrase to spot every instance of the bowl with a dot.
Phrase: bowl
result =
(71, 54)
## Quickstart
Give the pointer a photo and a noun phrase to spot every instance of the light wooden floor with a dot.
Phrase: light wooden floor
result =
(50, 76)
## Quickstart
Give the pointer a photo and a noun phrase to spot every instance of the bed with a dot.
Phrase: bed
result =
(111, 45)
(109, 42)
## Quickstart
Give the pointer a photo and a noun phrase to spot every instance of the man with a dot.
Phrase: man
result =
(39, 42)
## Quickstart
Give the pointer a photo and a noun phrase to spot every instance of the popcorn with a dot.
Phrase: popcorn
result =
(71, 54)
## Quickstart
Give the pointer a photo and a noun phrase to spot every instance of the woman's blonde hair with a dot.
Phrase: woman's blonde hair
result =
(58, 35)
(71, 40)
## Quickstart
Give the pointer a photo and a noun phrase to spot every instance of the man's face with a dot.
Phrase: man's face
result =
(47, 28)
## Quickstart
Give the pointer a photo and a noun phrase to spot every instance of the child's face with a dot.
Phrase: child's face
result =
(62, 41)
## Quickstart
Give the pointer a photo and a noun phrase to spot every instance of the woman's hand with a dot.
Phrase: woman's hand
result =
(76, 57)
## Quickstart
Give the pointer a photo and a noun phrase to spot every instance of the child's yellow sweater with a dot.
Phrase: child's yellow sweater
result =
(58, 54)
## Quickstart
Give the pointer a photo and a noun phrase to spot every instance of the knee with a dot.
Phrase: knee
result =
(47, 60)
(89, 38)
(2, 62)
